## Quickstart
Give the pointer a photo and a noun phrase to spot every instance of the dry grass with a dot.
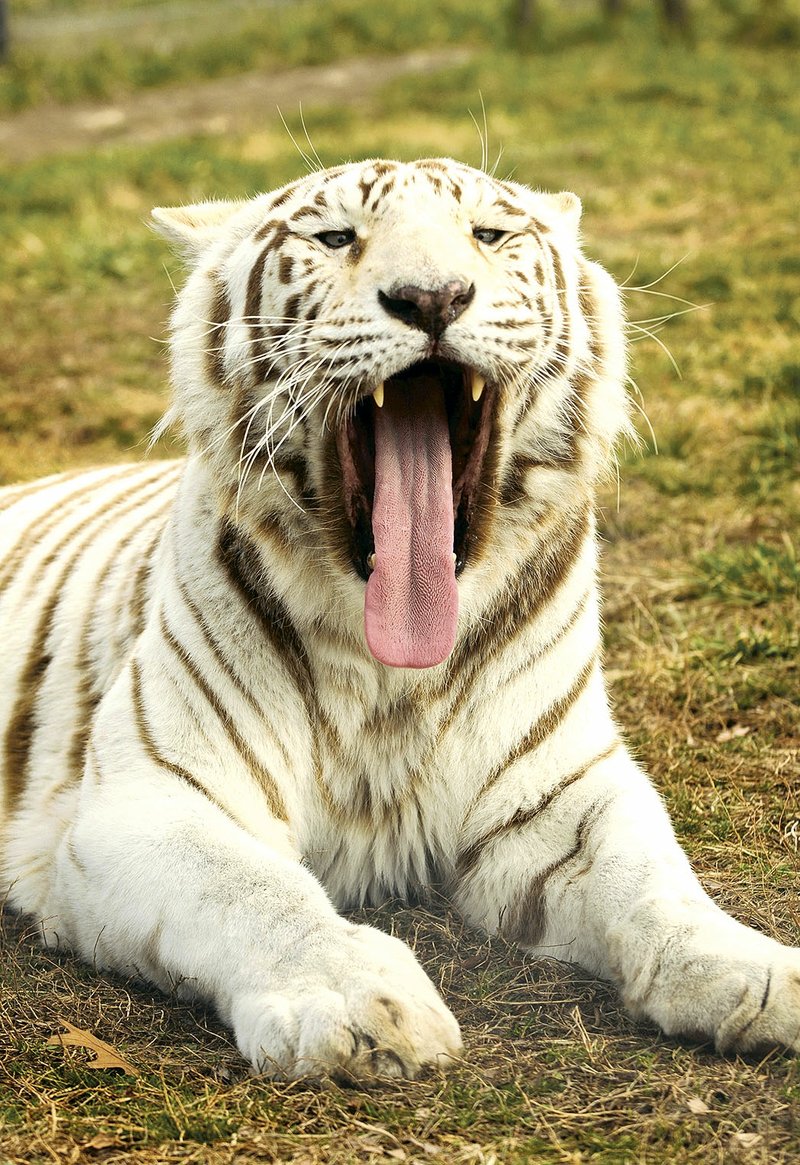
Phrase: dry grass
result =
(679, 156)
(554, 1071)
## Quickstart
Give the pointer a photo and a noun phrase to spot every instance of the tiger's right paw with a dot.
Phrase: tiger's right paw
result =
(363, 1011)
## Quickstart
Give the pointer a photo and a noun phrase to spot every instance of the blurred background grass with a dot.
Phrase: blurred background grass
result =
(683, 142)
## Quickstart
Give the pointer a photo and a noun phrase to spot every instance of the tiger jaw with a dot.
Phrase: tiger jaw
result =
(412, 458)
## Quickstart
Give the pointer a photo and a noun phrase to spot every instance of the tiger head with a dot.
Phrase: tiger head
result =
(410, 366)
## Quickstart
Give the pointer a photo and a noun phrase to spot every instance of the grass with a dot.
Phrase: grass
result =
(219, 40)
(681, 157)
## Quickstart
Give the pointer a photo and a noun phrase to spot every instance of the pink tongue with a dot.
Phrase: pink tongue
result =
(411, 603)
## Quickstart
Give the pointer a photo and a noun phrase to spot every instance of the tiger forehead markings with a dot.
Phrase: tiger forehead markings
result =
(350, 647)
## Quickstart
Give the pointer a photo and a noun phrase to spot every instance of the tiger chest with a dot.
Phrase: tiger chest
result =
(387, 808)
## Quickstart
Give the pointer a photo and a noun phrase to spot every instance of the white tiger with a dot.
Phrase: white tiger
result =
(351, 647)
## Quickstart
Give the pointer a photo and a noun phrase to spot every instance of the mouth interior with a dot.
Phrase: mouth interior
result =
(411, 476)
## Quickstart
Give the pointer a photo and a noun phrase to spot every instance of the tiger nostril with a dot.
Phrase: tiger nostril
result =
(430, 310)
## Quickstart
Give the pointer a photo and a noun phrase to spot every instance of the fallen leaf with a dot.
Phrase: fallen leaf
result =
(697, 1106)
(732, 733)
(104, 1056)
(99, 1143)
(745, 1140)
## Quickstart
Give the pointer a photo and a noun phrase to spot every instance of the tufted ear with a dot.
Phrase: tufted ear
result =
(192, 228)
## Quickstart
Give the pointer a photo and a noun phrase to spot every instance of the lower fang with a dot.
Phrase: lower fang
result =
(371, 561)
(478, 385)
(377, 395)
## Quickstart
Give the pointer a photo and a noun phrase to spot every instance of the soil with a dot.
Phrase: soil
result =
(222, 106)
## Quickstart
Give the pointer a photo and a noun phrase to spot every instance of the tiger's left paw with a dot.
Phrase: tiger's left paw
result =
(767, 1013)
(697, 972)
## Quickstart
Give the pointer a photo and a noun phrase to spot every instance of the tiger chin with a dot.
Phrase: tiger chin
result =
(350, 647)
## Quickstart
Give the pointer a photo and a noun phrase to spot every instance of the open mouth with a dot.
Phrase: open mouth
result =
(412, 459)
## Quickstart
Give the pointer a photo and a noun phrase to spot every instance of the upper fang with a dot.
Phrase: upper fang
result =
(377, 395)
(478, 385)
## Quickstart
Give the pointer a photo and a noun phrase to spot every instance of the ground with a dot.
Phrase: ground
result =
(212, 107)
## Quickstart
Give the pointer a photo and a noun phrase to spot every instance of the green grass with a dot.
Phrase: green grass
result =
(681, 157)
(156, 48)
(221, 41)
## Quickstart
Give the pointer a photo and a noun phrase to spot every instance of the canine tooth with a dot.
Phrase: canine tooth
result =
(478, 385)
(378, 395)
(371, 561)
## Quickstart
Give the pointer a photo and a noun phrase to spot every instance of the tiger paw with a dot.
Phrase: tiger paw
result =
(706, 975)
(362, 1011)
(767, 1013)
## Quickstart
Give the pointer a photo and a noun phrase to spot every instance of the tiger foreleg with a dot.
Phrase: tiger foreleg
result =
(155, 876)
(596, 877)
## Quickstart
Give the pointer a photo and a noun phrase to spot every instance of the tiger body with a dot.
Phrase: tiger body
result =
(214, 740)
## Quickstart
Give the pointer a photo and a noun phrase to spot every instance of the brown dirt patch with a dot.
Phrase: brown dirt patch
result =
(228, 105)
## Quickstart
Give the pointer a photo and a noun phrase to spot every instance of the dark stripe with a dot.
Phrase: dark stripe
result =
(293, 305)
(239, 558)
(303, 213)
(509, 208)
(275, 231)
(296, 465)
(11, 494)
(580, 387)
(224, 664)
(536, 226)
(87, 698)
(512, 488)
(219, 317)
(523, 598)
(140, 585)
(557, 364)
(455, 190)
(528, 661)
(588, 305)
(147, 738)
(535, 657)
(467, 860)
(22, 725)
(544, 727)
(252, 308)
(87, 695)
(526, 921)
(254, 765)
(285, 194)
(51, 519)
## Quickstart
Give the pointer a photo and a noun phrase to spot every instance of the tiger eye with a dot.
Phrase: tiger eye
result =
(336, 240)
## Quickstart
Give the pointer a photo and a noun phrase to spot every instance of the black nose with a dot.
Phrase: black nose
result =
(430, 311)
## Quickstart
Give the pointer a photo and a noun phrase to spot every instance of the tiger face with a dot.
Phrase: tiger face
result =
(405, 364)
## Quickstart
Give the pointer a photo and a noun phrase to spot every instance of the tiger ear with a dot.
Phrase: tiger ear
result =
(568, 207)
(192, 228)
